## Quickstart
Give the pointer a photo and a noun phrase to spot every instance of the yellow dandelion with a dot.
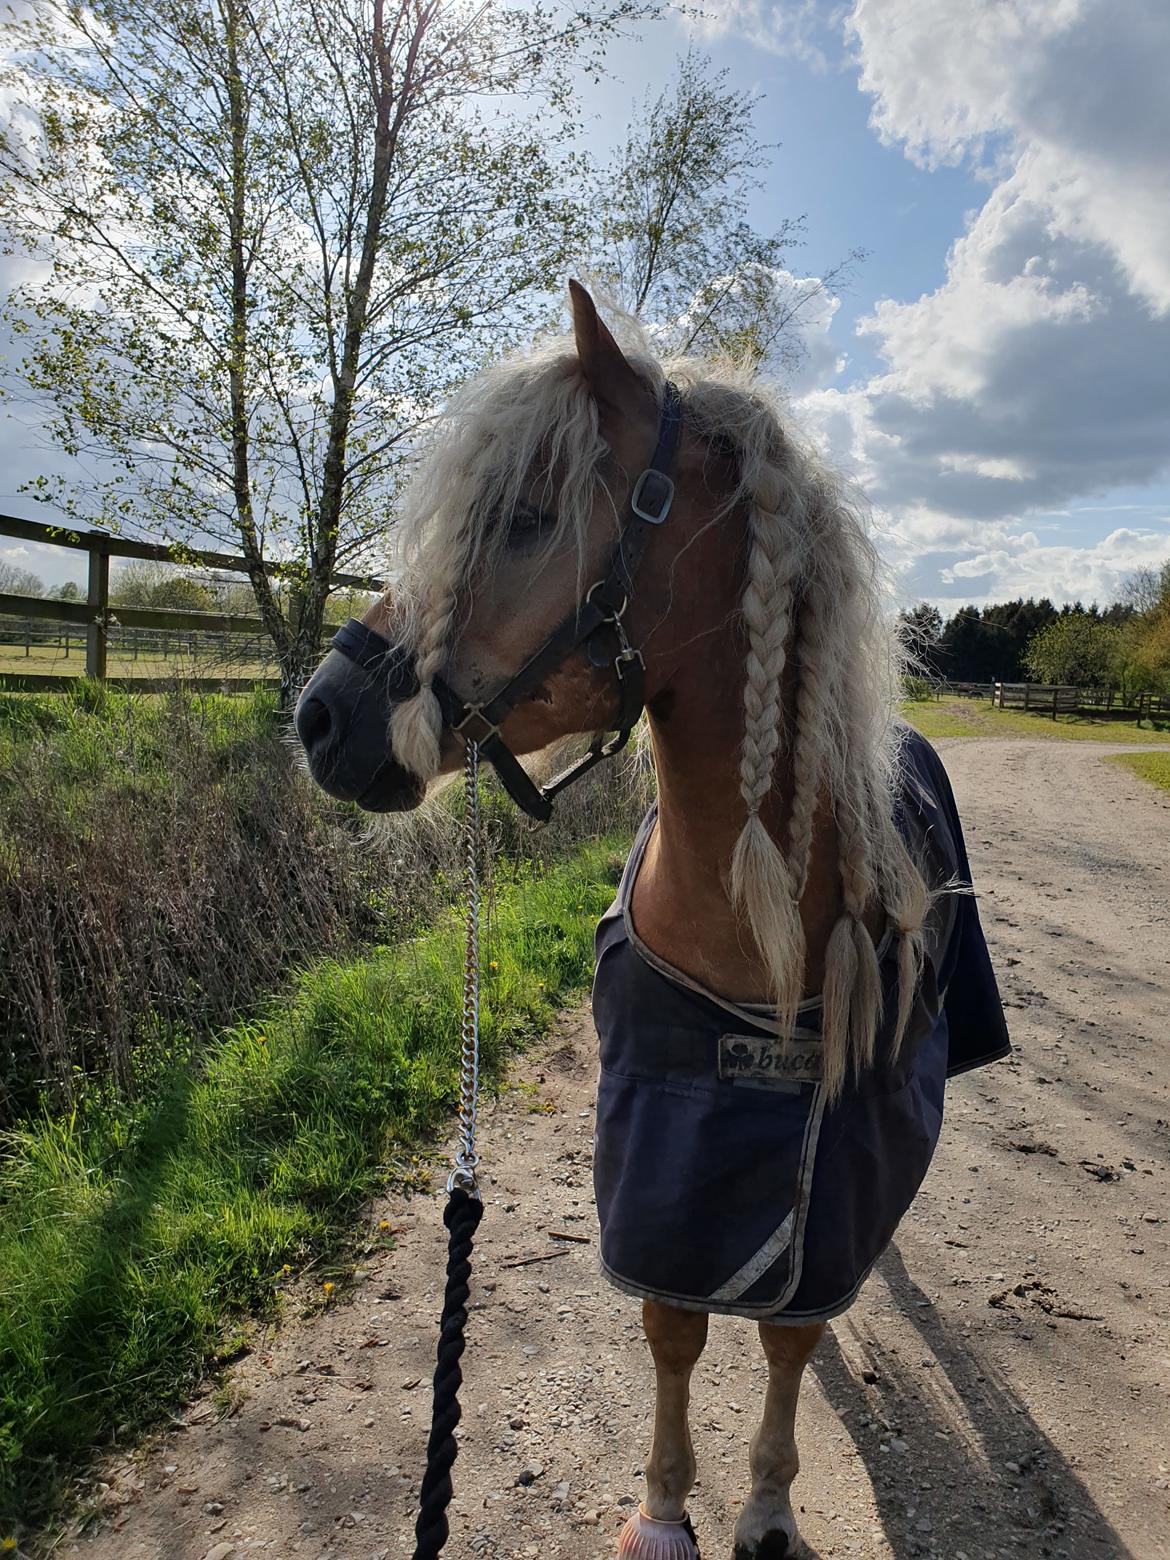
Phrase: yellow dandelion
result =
(383, 1224)
(7, 1545)
(287, 1268)
(327, 1287)
(494, 965)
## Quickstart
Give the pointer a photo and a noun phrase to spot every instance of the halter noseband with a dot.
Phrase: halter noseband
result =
(596, 623)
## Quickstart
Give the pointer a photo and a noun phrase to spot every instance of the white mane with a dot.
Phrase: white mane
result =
(812, 596)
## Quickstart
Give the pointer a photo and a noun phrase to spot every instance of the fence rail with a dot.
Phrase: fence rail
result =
(125, 626)
(1067, 699)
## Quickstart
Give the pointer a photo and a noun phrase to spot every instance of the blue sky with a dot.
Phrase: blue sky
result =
(995, 378)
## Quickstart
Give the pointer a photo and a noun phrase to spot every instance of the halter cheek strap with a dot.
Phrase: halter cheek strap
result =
(597, 624)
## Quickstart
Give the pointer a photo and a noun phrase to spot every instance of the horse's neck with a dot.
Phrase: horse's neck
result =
(681, 905)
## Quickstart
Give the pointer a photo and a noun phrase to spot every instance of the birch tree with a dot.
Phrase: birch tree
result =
(675, 244)
(267, 236)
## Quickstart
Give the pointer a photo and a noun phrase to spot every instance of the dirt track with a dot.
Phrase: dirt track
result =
(1002, 1387)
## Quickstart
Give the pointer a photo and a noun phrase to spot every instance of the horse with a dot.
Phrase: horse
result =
(794, 963)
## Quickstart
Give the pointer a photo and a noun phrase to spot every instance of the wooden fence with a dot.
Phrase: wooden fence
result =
(1065, 699)
(157, 630)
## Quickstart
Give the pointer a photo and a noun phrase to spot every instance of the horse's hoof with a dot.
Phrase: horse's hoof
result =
(774, 1545)
(645, 1538)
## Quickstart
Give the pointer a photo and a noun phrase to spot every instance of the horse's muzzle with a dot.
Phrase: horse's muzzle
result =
(343, 721)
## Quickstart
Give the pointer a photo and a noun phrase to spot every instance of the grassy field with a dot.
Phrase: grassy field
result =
(1154, 767)
(954, 717)
(131, 1238)
(51, 660)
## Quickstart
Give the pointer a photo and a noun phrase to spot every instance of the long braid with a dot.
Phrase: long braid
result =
(852, 989)
(760, 878)
(810, 652)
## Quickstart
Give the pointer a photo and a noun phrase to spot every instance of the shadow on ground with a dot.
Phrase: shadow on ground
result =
(958, 1464)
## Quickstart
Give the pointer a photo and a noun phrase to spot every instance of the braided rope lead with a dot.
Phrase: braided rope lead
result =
(462, 1215)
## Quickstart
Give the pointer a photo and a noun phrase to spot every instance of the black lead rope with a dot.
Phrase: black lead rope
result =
(462, 1217)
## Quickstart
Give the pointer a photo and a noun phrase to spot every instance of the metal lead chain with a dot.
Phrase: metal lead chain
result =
(466, 1159)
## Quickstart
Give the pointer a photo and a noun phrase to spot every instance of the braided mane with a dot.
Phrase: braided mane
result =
(812, 602)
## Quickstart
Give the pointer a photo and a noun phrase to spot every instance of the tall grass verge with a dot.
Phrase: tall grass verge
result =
(131, 1233)
(163, 862)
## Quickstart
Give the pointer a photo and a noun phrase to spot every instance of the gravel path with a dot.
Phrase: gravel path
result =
(1001, 1388)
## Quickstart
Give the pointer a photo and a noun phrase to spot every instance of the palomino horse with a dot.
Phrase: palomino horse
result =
(791, 968)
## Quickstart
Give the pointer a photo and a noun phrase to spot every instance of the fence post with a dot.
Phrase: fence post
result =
(98, 599)
(1027, 696)
(1055, 696)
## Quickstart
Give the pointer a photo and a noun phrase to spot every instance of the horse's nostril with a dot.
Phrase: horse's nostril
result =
(314, 723)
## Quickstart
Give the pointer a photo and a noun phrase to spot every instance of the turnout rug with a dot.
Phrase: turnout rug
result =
(725, 1181)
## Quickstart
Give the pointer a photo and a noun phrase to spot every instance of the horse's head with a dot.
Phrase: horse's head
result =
(516, 621)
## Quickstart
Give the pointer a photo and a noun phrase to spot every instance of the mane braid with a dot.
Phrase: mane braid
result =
(761, 881)
(808, 738)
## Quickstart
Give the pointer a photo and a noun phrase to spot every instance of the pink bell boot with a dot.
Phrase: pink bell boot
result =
(645, 1538)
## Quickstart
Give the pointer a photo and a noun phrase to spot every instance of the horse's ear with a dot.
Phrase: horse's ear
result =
(613, 382)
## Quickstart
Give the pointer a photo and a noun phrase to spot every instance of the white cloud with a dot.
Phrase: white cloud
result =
(1072, 92)
(1035, 375)
(785, 27)
(1025, 568)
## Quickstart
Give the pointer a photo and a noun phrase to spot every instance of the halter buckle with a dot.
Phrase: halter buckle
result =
(655, 488)
(475, 712)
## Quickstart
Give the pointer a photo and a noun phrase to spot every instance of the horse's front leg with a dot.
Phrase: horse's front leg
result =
(661, 1531)
(766, 1529)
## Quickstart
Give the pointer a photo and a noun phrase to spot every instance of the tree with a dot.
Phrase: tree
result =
(1144, 638)
(981, 645)
(157, 585)
(922, 628)
(19, 582)
(674, 246)
(273, 236)
(1075, 648)
(1148, 590)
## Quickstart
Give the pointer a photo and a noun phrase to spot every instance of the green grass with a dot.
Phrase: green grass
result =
(1154, 767)
(955, 717)
(131, 1237)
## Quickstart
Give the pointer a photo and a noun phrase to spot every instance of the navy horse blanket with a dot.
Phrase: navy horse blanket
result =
(725, 1180)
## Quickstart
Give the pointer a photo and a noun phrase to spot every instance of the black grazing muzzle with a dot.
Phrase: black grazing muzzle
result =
(343, 721)
(343, 715)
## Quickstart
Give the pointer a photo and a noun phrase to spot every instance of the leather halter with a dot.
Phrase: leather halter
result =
(596, 623)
